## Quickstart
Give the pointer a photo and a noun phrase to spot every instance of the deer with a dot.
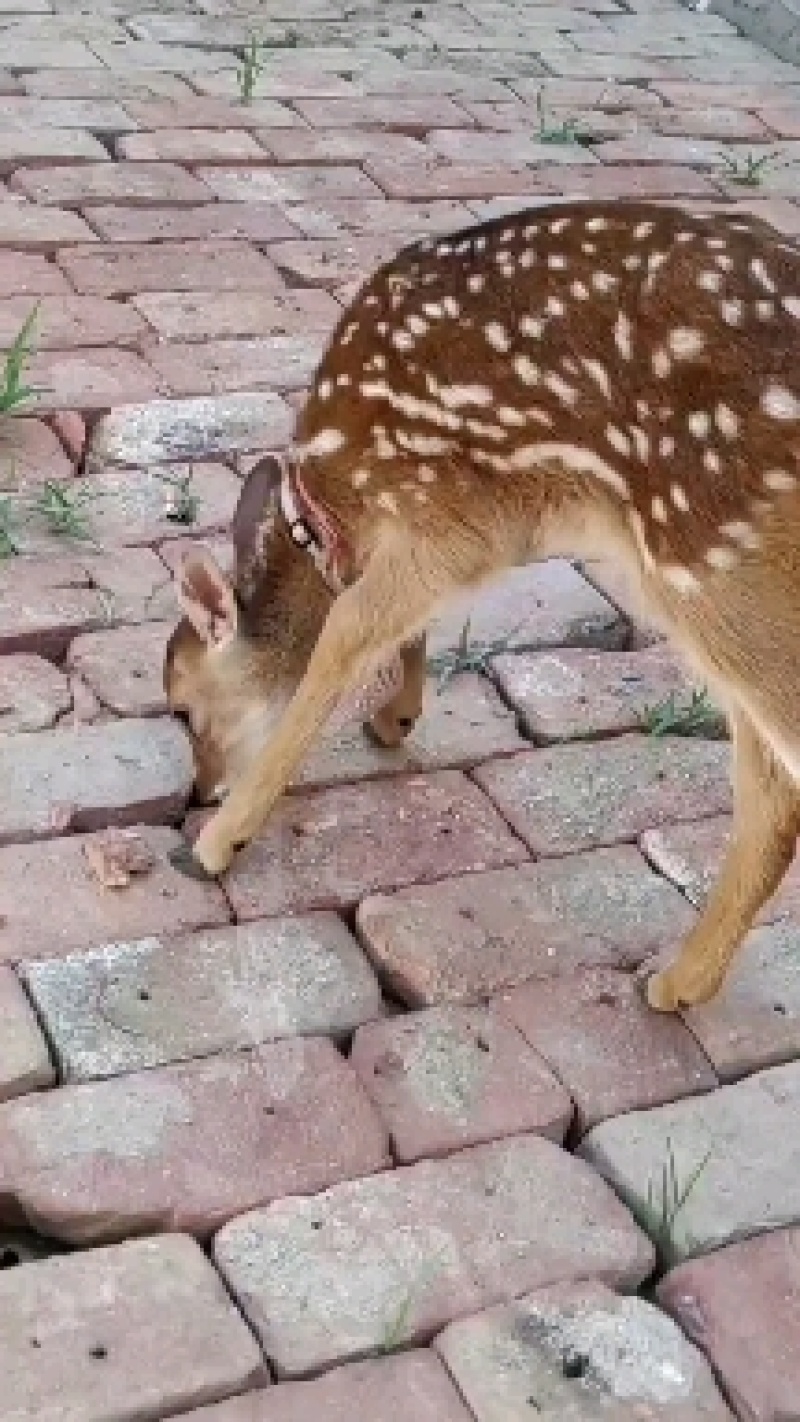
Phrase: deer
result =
(606, 380)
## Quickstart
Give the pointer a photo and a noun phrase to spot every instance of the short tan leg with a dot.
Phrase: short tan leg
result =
(765, 828)
(397, 719)
(395, 595)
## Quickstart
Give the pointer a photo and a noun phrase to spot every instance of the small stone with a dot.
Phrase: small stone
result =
(611, 1052)
(139, 1331)
(579, 1352)
(579, 797)
(203, 427)
(121, 773)
(128, 1006)
(76, 914)
(379, 1263)
(25, 1063)
(412, 1386)
(740, 1147)
(741, 1305)
(33, 694)
(455, 1077)
(187, 1147)
(469, 937)
(116, 855)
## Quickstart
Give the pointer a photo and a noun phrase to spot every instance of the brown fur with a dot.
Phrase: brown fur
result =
(600, 379)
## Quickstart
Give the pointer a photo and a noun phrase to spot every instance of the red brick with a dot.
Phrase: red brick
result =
(172, 1339)
(470, 937)
(20, 272)
(288, 184)
(129, 507)
(162, 431)
(658, 148)
(567, 694)
(337, 145)
(29, 451)
(24, 150)
(583, 796)
(437, 178)
(410, 115)
(190, 146)
(465, 146)
(45, 602)
(76, 913)
(97, 1162)
(601, 94)
(200, 111)
(70, 427)
(91, 378)
(86, 777)
(663, 180)
(129, 1006)
(722, 124)
(201, 315)
(129, 183)
(410, 1385)
(25, 1063)
(454, 1077)
(35, 229)
(330, 849)
(741, 1305)
(213, 367)
(691, 856)
(102, 83)
(780, 120)
(611, 1052)
(124, 667)
(696, 93)
(33, 694)
(171, 266)
(259, 222)
(94, 115)
(370, 216)
(329, 263)
(406, 1252)
(615, 585)
(65, 321)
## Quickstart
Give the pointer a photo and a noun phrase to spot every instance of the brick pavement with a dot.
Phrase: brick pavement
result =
(395, 1073)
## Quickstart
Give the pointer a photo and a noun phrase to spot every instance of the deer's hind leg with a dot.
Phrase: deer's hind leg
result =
(765, 827)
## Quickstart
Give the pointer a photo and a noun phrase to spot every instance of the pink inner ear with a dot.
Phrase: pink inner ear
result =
(368, 700)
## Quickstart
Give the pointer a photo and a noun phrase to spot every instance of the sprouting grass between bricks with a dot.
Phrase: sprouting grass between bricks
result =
(468, 656)
(747, 170)
(64, 509)
(14, 392)
(251, 67)
(567, 131)
(9, 547)
(183, 503)
(679, 716)
(667, 1198)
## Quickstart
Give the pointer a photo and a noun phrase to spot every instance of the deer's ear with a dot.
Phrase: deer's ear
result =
(207, 598)
(254, 517)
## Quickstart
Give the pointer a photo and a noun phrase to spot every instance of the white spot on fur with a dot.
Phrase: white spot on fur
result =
(417, 325)
(603, 281)
(681, 579)
(779, 480)
(640, 442)
(632, 263)
(433, 309)
(508, 415)
(456, 396)
(564, 392)
(402, 340)
(387, 502)
(451, 307)
(639, 533)
(727, 421)
(531, 326)
(556, 262)
(528, 373)
(599, 375)
(780, 403)
(579, 291)
(560, 225)
(699, 423)
(426, 474)
(662, 365)
(709, 281)
(618, 440)
(678, 495)
(325, 442)
(659, 509)
(554, 307)
(422, 444)
(765, 310)
(497, 336)
(742, 533)
(666, 446)
(732, 312)
(642, 230)
(622, 336)
(712, 461)
(723, 559)
(572, 457)
(325, 389)
(596, 224)
(360, 478)
(792, 305)
(761, 274)
(475, 282)
(684, 342)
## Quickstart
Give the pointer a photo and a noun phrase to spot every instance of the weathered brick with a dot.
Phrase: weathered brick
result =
(258, 222)
(608, 1048)
(436, 178)
(91, 378)
(162, 999)
(515, 147)
(77, 913)
(325, 263)
(87, 777)
(470, 937)
(201, 111)
(29, 228)
(394, 1258)
(615, 586)
(172, 1339)
(462, 723)
(45, 602)
(33, 694)
(567, 695)
(368, 216)
(543, 605)
(96, 1162)
(65, 321)
(601, 94)
(579, 1351)
(140, 56)
(720, 124)
(203, 315)
(124, 667)
(582, 796)
(29, 451)
(101, 83)
(215, 367)
(741, 1143)
(78, 184)
(411, 1384)
(139, 506)
(94, 115)
(454, 1077)
(172, 266)
(288, 184)
(190, 146)
(660, 148)
(754, 1021)
(691, 856)
(336, 145)
(329, 849)
(197, 428)
(41, 148)
(25, 1063)
(23, 273)
(409, 115)
(741, 1305)
(781, 120)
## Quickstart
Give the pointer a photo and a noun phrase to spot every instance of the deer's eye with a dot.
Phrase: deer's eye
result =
(181, 714)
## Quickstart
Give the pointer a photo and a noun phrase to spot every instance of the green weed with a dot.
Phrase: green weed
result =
(251, 67)
(14, 392)
(675, 716)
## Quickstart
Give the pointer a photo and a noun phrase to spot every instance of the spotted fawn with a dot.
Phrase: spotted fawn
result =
(613, 380)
